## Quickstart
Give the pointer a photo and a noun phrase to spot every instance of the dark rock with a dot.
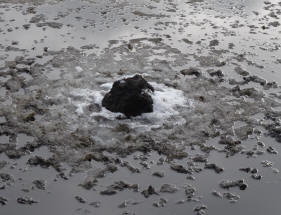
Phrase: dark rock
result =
(191, 71)
(129, 96)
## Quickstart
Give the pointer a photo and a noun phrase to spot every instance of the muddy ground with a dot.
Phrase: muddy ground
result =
(210, 146)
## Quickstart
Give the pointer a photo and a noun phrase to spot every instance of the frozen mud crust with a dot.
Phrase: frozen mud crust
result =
(64, 112)
(66, 115)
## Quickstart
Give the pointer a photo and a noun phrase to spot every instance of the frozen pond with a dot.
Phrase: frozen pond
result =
(212, 144)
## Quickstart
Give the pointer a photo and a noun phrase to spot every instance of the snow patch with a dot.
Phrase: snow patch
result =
(167, 103)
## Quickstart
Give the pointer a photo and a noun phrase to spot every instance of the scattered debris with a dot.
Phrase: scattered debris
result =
(149, 191)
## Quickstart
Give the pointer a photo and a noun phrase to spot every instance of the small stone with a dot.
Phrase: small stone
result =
(108, 192)
(256, 177)
(182, 201)
(189, 192)
(2, 164)
(158, 174)
(274, 24)
(241, 71)
(275, 170)
(214, 43)
(214, 167)
(226, 184)
(190, 177)
(231, 196)
(200, 158)
(217, 73)
(95, 204)
(161, 203)
(217, 194)
(26, 26)
(26, 200)
(191, 71)
(168, 188)
(40, 184)
(80, 199)
(5, 177)
(179, 169)
(271, 150)
(123, 204)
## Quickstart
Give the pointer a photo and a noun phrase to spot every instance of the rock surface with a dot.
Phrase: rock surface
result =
(129, 96)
